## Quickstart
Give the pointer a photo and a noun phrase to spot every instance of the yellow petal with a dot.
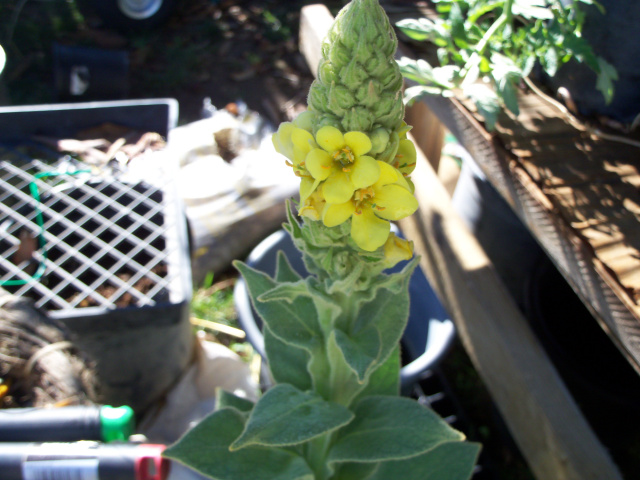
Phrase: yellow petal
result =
(282, 139)
(394, 202)
(358, 142)
(299, 156)
(404, 182)
(313, 206)
(319, 163)
(388, 174)
(307, 187)
(405, 160)
(368, 231)
(330, 139)
(302, 140)
(364, 172)
(335, 214)
(337, 188)
(412, 187)
(310, 212)
(404, 129)
(396, 250)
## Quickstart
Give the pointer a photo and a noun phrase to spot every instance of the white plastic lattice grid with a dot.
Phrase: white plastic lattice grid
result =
(71, 240)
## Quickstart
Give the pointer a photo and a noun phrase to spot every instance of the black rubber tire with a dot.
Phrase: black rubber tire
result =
(113, 16)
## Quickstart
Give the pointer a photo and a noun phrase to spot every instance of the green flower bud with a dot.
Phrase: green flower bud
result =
(357, 119)
(358, 78)
(328, 120)
(340, 98)
(379, 140)
(390, 149)
(326, 74)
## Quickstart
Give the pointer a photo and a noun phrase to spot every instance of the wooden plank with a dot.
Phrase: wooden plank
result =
(428, 131)
(543, 418)
(545, 422)
(315, 21)
(568, 247)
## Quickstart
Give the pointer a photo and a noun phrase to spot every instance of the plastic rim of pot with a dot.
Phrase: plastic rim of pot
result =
(427, 338)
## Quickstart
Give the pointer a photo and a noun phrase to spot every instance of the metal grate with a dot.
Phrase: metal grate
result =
(70, 239)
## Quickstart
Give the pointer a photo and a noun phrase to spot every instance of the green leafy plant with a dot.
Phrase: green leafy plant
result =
(487, 47)
(332, 338)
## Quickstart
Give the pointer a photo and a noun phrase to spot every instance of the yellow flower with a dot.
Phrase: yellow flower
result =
(294, 140)
(313, 206)
(396, 250)
(371, 208)
(342, 163)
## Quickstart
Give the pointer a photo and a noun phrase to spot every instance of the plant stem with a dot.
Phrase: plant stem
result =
(505, 18)
(317, 456)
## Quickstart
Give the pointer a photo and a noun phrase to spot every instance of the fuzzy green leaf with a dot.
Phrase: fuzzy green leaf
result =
(385, 379)
(417, 29)
(418, 92)
(387, 313)
(487, 103)
(606, 77)
(360, 351)
(390, 428)
(357, 471)
(286, 416)
(294, 320)
(205, 448)
(532, 9)
(226, 399)
(288, 364)
(550, 61)
(448, 461)
(284, 270)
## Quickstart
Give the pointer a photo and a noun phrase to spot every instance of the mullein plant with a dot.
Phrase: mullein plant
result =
(332, 338)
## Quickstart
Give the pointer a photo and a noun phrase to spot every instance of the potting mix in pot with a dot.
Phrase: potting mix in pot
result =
(332, 339)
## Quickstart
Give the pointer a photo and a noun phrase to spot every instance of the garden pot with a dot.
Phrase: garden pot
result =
(428, 335)
(505, 239)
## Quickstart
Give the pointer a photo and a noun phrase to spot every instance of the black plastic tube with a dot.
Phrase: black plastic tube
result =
(82, 461)
(66, 424)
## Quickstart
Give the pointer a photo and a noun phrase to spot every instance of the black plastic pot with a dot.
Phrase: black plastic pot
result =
(507, 242)
(428, 335)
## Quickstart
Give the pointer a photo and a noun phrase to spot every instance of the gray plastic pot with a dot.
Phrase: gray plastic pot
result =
(426, 340)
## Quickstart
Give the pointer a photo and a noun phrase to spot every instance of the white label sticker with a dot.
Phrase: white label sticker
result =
(61, 469)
